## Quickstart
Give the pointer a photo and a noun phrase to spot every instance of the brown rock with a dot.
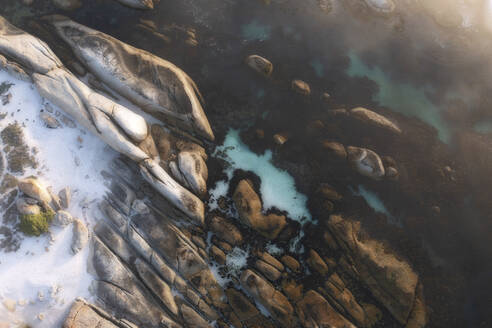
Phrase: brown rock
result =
(301, 87)
(260, 64)
(242, 307)
(291, 263)
(265, 256)
(249, 206)
(314, 311)
(273, 300)
(292, 289)
(391, 280)
(316, 263)
(280, 138)
(328, 192)
(225, 230)
(217, 254)
(334, 149)
(268, 271)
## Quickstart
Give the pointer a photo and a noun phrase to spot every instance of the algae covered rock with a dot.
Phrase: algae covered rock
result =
(36, 224)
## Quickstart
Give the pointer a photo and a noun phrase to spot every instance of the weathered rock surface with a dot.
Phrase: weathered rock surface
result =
(138, 4)
(314, 311)
(85, 315)
(260, 64)
(62, 218)
(301, 87)
(153, 83)
(33, 188)
(372, 118)
(80, 236)
(273, 300)
(249, 206)
(26, 207)
(366, 162)
(390, 280)
(225, 230)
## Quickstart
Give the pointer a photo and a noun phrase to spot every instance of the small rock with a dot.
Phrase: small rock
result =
(260, 64)
(280, 139)
(10, 305)
(65, 196)
(68, 122)
(328, 192)
(268, 271)
(217, 254)
(62, 218)
(6, 99)
(50, 121)
(225, 230)
(24, 207)
(291, 263)
(316, 263)
(334, 149)
(301, 87)
(366, 162)
(80, 236)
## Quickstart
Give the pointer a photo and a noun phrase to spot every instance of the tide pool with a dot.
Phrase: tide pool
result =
(277, 186)
(402, 97)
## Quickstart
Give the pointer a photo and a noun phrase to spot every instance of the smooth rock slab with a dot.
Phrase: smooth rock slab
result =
(80, 236)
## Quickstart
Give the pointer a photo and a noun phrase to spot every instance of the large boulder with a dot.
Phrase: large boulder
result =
(83, 315)
(391, 280)
(249, 206)
(366, 162)
(156, 85)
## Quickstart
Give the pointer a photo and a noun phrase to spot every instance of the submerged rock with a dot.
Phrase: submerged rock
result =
(67, 4)
(156, 85)
(138, 4)
(249, 206)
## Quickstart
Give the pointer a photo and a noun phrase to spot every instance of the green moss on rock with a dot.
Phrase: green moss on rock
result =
(36, 224)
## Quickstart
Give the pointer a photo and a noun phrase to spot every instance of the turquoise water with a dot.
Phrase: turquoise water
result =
(318, 67)
(402, 97)
(277, 186)
(255, 31)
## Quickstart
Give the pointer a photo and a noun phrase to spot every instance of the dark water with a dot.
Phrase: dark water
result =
(434, 80)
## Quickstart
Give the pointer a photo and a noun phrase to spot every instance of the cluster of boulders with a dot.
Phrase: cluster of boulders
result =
(154, 251)
(39, 207)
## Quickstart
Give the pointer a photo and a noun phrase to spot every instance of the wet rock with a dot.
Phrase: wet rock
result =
(316, 263)
(225, 230)
(269, 271)
(292, 289)
(24, 206)
(291, 263)
(193, 319)
(372, 118)
(334, 149)
(328, 192)
(314, 311)
(33, 188)
(260, 64)
(62, 218)
(341, 296)
(265, 256)
(80, 236)
(280, 138)
(249, 206)
(301, 87)
(217, 254)
(273, 300)
(366, 162)
(391, 280)
(65, 197)
(50, 121)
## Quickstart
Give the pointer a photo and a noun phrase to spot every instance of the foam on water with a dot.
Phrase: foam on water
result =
(67, 157)
(373, 200)
(318, 67)
(277, 186)
(401, 97)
